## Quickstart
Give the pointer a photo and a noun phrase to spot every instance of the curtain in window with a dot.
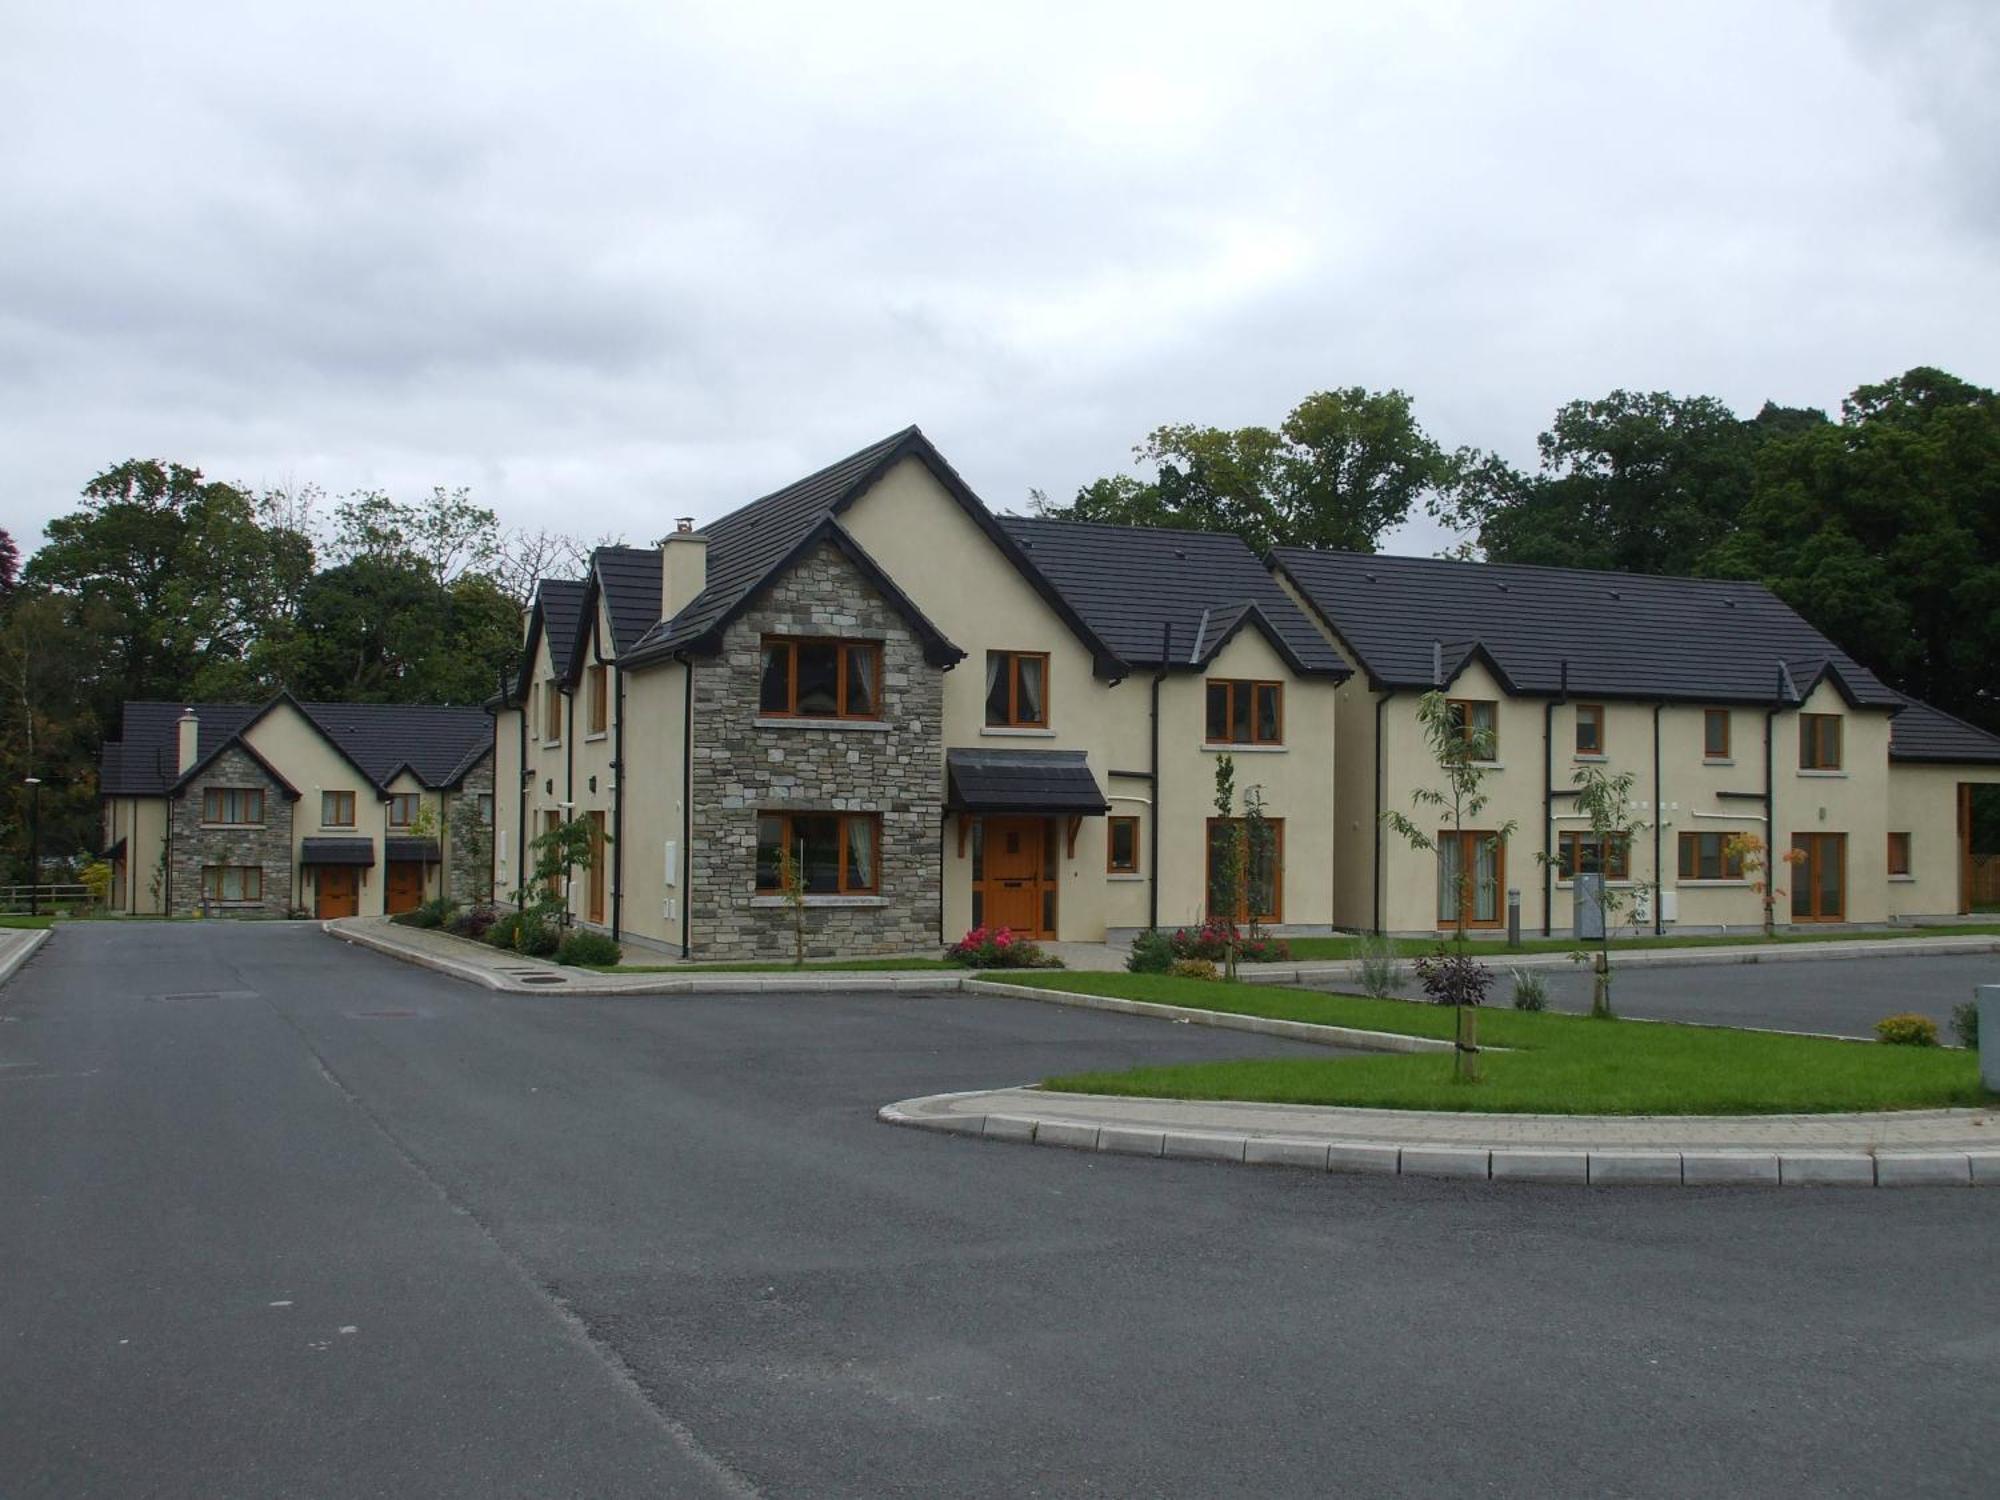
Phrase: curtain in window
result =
(996, 687)
(861, 853)
(860, 680)
(1029, 700)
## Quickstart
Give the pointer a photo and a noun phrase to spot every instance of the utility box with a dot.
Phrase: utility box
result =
(1587, 893)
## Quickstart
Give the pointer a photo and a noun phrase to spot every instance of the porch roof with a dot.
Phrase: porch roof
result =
(338, 852)
(1022, 781)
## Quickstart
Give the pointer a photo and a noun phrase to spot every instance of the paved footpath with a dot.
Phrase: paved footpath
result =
(1957, 1147)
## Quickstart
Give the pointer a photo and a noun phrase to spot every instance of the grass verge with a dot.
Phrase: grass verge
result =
(30, 923)
(840, 965)
(1336, 948)
(1558, 1065)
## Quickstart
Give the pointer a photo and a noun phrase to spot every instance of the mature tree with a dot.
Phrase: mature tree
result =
(1345, 466)
(50, 672)
(10, 563)
(1640, 482)
(445, 533)
(384, 631)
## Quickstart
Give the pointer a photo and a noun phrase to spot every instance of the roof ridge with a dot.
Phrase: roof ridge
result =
(866, 449)
(1294, 550)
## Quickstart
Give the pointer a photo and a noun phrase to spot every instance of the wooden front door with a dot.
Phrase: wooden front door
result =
(405, 888)
(597, 868)
(1019, 880)
(337, 891)
(1819, 879)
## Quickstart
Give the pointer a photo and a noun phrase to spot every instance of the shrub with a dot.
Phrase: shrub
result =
(1193, 968)
(1907, 1031)
(1265, 950)
(998, 948)
(588, 948)
(1152, 953)
(537, 936)
(474, 922)
(1965, 1024)
(1381, 977)
(1531, 991)
(430, 914)
(1211, 941)
(1453, 978)
(504, 929)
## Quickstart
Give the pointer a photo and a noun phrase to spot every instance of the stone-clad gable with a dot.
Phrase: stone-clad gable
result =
(893, 768)
(269, 847)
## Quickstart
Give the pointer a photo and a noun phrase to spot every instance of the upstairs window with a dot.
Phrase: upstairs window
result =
(241, 806)
(336, 809)
(1715, 734)
(1017, 689)
(833, 853)
(486, 809)
(820, 679)
(1899, 854)
(403, 809)
(1819, 742)
(600, 698)
(1583, 853)
(1478, 721)
(1245, 713)
(1590, 729)
(552, 703)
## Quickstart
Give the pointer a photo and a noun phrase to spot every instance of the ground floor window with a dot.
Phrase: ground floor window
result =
(1472, 863)
(232, 883)
(1899, 854)
(1264, 898)
(1710, 856)
(836, 853)
(1582, 852)
(1122, 846)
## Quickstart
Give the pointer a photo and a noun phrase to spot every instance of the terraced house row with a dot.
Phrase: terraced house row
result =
(953, 718)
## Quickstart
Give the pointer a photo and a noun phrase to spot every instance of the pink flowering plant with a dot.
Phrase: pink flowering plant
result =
(1000, 948)
(1211, 941)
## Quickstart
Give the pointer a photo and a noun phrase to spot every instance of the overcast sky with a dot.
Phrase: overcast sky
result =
(608, 263)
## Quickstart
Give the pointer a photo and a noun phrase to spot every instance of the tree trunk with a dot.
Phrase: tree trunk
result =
(1467, 1068)
(1600, 986)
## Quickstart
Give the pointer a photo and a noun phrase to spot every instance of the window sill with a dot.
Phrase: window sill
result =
(1715, 885)
(1626, 884)
(1717, 760)
(817, 903)
(234, 827)
(336, 828)
(866, 726)
(1125, 878)
(1595, 760)
(1822, 775)
(596, 735)
(1902, 880)
(1215, 747)
(552, 744)
(1012, 732)
(1489, 765)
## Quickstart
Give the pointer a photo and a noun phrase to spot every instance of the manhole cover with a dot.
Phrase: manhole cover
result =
(175, 997)
(540, 978)
(383, 1015)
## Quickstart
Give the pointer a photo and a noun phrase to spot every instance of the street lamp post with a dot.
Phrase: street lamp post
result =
(34, 786)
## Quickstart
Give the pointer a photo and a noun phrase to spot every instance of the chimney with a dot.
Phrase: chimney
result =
(190, 740)
(683, 567)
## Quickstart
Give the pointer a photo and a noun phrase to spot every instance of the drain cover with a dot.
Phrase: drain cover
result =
(382, 1015)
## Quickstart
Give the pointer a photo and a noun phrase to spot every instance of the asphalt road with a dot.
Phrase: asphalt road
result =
(279, 1217)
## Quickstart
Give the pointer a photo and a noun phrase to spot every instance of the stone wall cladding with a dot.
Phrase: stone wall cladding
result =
(469, 870)
(741, 769)
(269, 847)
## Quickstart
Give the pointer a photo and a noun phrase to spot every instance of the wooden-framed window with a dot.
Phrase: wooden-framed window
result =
(486, 809)
(1017, 689)
(236, 805)
(552, 712)
(598, 678)
(837, 854)
(1478, 720)
(1899, 854)
(1819, 742)
(814, 678)
(232, 882)
(1579, 851)
(1245, 713)
(1708, 856)
(336, 809)
(1471, 862)
(1590, 729)
(1266, 887)
(403, 808)
(1715, 734)
(1121, 846)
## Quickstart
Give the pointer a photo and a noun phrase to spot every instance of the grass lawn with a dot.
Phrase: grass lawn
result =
(1556, 1064)
(842, 965)
(30, 922)
(1331, 948)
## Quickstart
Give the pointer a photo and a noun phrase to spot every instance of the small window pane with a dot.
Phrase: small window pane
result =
(770, 838)
(999, 687)
(774, 690)
(1239, 715)
(860, 854)
(1124, 844)
(1028, 694)
(860, 680)
(1268, 713)
(819, 679)
(820, 834)
(1715, 733)
(1218, 711)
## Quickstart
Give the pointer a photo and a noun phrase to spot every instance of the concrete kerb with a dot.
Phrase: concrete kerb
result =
(20, 952)
(1627, 1165)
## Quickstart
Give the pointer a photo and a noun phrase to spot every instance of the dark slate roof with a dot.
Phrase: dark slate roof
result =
(747, 547)
(1024, 781)
(404, 849)
(560, 601)
(630, 579)
(1923, 733)
(1134, 582)
(1623, 635)
(337, 852)
(438, 744)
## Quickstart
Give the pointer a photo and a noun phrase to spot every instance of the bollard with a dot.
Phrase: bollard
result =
(1513, 917)
(1987, 998)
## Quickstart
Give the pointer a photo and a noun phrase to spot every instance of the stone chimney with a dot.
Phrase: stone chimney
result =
(683, 567)
(190, 741)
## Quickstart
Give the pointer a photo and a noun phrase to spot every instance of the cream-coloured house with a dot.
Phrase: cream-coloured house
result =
(289, 808)
(951, 718)
(1736, 718)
